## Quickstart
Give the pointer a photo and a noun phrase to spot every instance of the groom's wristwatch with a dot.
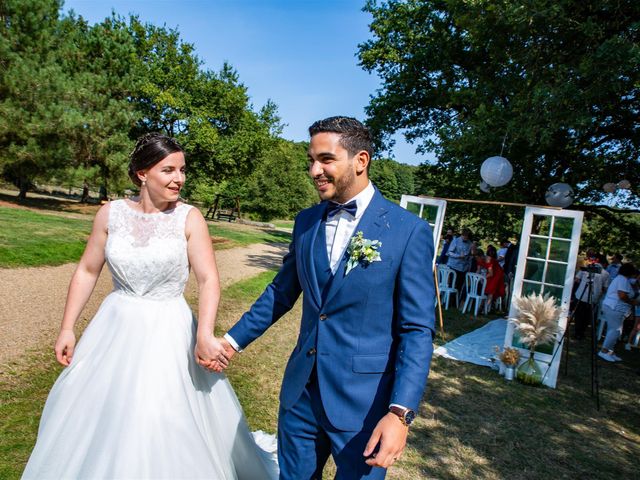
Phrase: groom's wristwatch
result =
(406, 415)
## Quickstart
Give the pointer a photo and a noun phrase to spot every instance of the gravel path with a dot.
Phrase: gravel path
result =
(32, 299)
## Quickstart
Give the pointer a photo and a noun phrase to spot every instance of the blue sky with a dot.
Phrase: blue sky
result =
(300, 54)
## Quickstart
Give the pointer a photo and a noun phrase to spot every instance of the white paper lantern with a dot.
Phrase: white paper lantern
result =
(609, 187)
(624, 184)
(496, 171)
(484, 186)
(559, 195)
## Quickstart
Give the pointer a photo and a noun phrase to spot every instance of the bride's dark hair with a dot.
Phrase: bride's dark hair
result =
(150, 149)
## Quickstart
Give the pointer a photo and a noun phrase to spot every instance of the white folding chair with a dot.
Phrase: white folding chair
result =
(446, 283)
(475, 284)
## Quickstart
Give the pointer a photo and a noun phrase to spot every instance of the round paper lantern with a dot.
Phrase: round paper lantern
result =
(484, 186)
(496, 171)
(624, 184)
(609, 187)
(559, 195)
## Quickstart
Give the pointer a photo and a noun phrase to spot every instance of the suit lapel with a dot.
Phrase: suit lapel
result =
(370, 225)
(308, 241)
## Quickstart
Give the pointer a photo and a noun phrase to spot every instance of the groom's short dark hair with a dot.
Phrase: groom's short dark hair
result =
(354, 136)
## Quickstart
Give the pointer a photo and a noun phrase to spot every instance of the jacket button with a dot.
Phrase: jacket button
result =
(323, 317)
(311, 351)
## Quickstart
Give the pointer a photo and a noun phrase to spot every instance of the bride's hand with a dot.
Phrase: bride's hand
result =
(210, 353)
(64, 347)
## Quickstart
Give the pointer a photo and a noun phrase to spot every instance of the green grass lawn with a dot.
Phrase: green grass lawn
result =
(30, 239)
(472, 423)
(283, 224)
(242, 235)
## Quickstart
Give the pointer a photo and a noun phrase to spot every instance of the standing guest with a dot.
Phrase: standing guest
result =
(586, 302)
(495, 276)
(617, 304)
(359, 368)
(502, 252)
(442, 259)
(614, 266)
(459, 254)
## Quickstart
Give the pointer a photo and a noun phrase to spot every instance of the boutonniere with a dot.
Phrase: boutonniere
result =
(363, 251)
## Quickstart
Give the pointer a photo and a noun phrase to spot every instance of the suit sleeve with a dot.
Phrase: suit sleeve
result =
(415, 318)
(277, 299)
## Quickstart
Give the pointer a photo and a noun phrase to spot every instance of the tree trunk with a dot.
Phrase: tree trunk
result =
(24, 187)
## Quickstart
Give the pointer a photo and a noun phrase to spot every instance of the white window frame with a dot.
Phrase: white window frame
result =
(547, 361)
(437, 226)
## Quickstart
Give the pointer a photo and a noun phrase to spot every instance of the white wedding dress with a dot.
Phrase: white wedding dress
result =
(134, 404)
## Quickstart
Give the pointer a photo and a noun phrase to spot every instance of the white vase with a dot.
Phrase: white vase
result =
(509, 373)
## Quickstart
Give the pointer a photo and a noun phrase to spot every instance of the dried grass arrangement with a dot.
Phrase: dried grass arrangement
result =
(537, 319)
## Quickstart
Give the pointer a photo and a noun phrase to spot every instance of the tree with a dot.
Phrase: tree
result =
(102, 60)
(393, 179)
(34, 92)
(209, 112)
(280, 186)
(556, 81)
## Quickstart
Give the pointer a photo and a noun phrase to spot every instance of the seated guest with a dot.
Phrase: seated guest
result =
(495, 276)
(478, 264)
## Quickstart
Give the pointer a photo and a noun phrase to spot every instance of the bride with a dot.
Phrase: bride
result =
(135, 399)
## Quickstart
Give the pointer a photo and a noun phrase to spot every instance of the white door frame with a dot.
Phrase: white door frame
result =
(437, 225)
(550, 362)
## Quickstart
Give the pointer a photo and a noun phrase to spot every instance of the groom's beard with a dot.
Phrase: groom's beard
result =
(341, 187)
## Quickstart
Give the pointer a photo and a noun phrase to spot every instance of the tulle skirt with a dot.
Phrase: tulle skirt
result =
(133, 404)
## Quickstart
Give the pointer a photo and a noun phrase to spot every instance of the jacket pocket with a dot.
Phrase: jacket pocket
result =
(371, 363)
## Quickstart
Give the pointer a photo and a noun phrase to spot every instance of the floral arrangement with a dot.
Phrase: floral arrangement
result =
(537, 319)
(362, 250)
(509, 356)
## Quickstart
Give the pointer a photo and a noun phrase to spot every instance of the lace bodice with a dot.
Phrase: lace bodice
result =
(147, 252)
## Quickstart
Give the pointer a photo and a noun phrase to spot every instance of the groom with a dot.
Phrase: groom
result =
(356, 376)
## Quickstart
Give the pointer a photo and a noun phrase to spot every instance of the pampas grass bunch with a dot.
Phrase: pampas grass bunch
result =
(537, 319)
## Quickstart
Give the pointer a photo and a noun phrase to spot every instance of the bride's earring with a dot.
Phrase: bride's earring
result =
(144, 183)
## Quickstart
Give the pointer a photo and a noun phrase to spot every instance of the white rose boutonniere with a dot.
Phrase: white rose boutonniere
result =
(362, 251)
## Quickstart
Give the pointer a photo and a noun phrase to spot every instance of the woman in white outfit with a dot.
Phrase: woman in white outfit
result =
(135, 400)
(617, 304)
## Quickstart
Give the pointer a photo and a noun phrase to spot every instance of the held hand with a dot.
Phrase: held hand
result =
(391, 435)
(228, 349)
(64, 347)
(210, 354)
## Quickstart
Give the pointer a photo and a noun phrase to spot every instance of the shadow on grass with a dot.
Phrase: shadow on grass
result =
(56, 204)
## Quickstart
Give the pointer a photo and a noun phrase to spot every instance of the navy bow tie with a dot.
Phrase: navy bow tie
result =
(334, 208)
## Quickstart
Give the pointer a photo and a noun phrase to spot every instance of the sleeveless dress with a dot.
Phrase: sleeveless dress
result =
(134, 404)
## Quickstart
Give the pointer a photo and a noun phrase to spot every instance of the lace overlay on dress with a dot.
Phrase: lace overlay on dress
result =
(146, 252)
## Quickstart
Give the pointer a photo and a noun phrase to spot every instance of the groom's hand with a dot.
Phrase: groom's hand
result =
(228, 348)
(391, 437)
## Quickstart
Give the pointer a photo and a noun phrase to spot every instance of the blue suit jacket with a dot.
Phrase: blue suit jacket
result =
(372, 336)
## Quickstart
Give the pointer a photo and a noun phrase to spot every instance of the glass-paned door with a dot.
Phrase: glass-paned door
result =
(430, 209)
(548, 252)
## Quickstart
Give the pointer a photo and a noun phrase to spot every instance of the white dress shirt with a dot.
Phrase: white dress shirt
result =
(340, 227)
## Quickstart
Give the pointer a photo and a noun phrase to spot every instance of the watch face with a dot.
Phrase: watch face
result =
(409, 417)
